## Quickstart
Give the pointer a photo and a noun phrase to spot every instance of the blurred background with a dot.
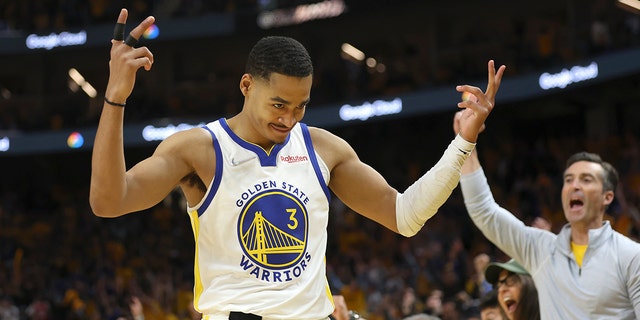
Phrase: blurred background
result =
(384, 80)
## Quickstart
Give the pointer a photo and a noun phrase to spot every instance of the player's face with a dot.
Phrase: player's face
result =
(583, 198)
(278, 104)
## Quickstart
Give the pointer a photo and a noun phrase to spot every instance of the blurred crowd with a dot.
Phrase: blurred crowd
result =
(417, 48)
(59, 261)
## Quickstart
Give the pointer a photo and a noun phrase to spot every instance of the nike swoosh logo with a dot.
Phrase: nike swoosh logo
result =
(235, 162)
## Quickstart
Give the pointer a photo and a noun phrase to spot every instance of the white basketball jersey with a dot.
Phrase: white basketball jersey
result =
(261, 230)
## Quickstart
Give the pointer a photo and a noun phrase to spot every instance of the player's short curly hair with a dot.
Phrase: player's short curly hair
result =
(281, 55)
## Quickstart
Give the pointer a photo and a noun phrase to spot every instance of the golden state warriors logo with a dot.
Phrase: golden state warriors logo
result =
(273, 230)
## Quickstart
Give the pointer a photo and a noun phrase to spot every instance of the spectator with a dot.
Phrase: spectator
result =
(8, 310)
(490, 308)
(517, 293)
(571, 283)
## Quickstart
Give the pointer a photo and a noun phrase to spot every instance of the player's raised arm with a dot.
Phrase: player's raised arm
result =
(364, 190)
(113, 191)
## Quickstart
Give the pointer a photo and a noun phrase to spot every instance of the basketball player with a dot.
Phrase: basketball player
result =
(258, 184)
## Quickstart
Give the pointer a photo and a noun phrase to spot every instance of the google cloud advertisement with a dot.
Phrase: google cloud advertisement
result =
(517, 88)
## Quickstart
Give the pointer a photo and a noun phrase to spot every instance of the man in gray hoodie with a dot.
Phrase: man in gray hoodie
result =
(588, 270)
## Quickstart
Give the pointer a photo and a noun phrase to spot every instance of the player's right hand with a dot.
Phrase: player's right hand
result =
(126, 60)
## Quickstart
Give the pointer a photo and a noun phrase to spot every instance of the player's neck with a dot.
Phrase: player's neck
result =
(241, 127)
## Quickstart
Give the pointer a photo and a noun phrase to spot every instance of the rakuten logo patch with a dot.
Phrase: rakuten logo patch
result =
(293, 159)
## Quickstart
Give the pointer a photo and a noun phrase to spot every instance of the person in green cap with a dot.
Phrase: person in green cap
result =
(517, 294)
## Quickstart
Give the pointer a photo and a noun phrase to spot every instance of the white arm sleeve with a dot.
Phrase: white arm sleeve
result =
(425, 196)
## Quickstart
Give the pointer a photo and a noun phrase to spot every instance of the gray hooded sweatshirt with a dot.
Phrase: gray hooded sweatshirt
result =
(607, 286)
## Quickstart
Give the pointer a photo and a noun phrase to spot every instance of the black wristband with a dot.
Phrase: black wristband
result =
(114, 103)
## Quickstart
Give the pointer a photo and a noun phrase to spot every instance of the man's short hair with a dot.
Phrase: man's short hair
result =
(281, 55)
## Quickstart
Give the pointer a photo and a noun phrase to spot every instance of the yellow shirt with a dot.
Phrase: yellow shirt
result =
(578, 252)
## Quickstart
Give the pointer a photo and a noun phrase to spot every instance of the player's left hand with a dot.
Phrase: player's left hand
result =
(476, 110)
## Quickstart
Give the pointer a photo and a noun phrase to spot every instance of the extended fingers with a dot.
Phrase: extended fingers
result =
(137, 31)
(131, 41)
(498, 76)
(491, 73)
(142, 56)
(495, 78)
(134, 35)
(122, 18)
(485, 100)
(118, 31)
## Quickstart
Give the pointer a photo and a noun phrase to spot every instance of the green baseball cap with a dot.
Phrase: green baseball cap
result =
(492, 273)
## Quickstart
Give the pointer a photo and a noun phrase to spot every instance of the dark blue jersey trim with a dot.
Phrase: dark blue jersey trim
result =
(217, 177)
(267, 158)
(314, 160)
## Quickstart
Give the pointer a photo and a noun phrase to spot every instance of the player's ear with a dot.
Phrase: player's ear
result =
(245, 83)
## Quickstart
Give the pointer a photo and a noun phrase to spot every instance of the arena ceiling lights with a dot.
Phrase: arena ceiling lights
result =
(300, 14)
(78, 81)
(355, 55)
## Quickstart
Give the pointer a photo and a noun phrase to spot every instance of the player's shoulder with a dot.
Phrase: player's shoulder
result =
(193, 146)
(323, 137)
(332, 148)
(318, 131)
(190, 139)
